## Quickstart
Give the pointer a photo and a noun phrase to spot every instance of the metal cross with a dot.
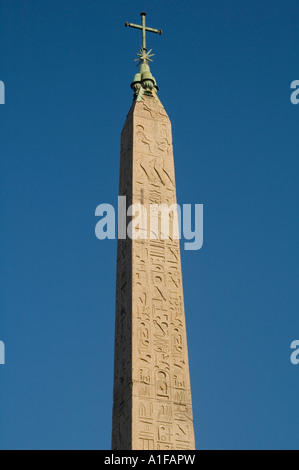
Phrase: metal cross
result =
(144, 28)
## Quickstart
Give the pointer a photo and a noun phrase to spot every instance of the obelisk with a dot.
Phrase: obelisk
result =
(152, 407)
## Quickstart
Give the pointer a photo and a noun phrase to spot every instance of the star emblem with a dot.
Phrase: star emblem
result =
(144, 56)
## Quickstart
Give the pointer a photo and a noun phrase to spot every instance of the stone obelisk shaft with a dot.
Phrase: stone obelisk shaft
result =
(152, 393)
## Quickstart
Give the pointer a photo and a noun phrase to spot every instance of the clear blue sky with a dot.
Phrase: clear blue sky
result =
(224, 69)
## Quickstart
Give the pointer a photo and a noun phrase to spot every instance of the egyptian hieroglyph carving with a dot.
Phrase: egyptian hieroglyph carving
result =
(152, 395)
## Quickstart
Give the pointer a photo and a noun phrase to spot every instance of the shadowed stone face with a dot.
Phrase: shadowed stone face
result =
(152, 393)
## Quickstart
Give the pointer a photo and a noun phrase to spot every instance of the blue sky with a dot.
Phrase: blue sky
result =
(224, 70)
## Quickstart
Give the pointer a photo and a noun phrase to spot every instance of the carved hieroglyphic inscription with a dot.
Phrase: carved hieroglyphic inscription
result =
(152, 396)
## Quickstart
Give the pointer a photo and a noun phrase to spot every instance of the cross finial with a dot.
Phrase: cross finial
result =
(144, 56)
